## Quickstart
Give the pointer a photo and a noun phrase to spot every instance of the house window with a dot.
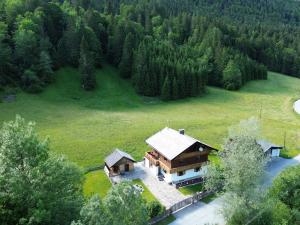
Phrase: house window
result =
(181, 173)
(197, 169)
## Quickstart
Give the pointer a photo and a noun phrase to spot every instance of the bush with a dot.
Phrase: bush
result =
(154, 208)
(31, 82)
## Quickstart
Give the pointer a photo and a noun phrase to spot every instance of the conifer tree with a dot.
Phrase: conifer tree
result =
(125, 65)
(86, 66)
(232, 77)
(166, 92)
(45, 67)
(194, 90)
(175, 92)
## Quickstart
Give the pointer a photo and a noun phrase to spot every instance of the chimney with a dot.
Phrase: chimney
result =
(181, 131)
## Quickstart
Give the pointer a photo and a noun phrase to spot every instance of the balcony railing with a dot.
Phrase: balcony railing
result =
(152, 158)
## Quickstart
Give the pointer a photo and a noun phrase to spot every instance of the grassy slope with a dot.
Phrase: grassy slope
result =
(88, 128)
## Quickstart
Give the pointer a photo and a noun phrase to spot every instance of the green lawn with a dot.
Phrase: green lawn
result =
(96, 183)
(191, 189)
(209, 198)
(87, 126)
(148, 196)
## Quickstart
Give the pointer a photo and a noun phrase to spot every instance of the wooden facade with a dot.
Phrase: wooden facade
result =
(122, 166)
(191, 158)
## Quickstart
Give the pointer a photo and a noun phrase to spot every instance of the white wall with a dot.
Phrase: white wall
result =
(275, 152)
(153, 169)
(189, 174)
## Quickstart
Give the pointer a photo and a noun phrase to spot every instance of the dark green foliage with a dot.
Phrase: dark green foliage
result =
(175, 91)
(87, 66)
(126, 63)
(232, 76)
(190, 41)
(154, 208)
(36, 187)
(31, 82)
(166, 92)
(44, 67)
(125, 205)
(287, 186)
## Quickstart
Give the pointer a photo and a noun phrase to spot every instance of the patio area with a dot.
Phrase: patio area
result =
(167, 194)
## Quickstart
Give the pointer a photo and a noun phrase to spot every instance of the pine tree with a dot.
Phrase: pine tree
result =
(232, 77)
(125, 65)
(140, 69)
(86, 66)
(194, 90)
(45, 67)
(175, 93)
(166, 90)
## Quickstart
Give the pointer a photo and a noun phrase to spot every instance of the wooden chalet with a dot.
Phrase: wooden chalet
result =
(177, 157)
(118, 163)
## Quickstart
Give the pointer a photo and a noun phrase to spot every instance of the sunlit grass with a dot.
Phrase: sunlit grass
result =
(96, 182)
(87, 126)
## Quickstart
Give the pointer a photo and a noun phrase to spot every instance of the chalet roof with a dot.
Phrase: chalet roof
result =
(170, 143)
(116, 156)
(265, 145)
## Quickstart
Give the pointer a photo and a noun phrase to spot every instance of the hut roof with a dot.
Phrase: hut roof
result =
(116, 156)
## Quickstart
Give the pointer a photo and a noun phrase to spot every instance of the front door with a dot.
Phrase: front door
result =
(126, 167)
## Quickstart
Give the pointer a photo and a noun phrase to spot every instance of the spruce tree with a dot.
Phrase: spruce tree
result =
(45, 67)
(125, 65)
(86, 66)
(166, 90)
(232, 77)
(140, 69)
(194, 90)
(175, 93)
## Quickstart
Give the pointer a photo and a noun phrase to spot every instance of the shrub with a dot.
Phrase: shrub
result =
(31, 82)
(154, 208)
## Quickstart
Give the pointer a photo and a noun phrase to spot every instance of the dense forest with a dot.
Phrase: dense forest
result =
(167, 48)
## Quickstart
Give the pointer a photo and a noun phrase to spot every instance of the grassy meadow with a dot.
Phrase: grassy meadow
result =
(87, 126)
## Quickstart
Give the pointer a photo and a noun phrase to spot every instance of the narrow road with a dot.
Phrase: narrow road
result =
(203, 214)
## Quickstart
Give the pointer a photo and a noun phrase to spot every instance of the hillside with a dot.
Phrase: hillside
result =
(170, 49)
(86, 126)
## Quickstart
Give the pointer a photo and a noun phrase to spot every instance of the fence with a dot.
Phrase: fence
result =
(180, 205)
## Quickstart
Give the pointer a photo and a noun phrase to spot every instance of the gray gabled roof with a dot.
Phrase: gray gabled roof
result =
(116, 156)
(265, 145)
(170, 143)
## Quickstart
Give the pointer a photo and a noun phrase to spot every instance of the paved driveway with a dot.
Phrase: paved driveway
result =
(165, 193)
(202, 214)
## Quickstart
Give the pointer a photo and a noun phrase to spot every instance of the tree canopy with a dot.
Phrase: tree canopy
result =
(36, 187)
(193, 43)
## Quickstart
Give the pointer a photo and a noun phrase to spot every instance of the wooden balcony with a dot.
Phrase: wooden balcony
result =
(152, 158)
(177, 165)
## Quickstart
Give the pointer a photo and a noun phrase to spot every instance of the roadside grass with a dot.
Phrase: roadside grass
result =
(209, 198)
(87, 126)
(96, 182)
(147, 195)
(288, 154)
(191, 189)
(167, 220)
